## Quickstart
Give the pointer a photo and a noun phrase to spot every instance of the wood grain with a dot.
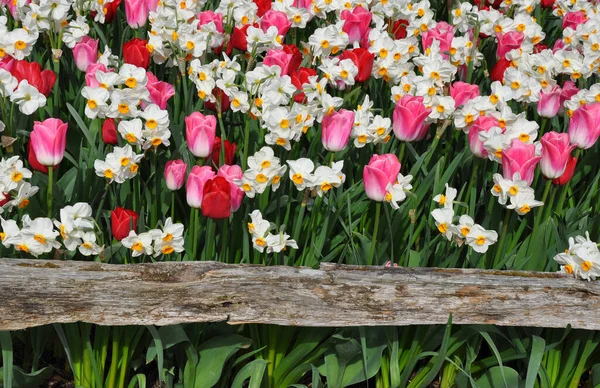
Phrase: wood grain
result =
(38, 292)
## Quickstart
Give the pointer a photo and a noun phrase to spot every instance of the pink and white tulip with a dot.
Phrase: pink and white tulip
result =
(556, 152)
(463, 92)
(409, 118)
(230, 173)
(194, 187)
(200, 133)
(85, 52)
(549, 103)
(583, 127)
(136, 12)
(175, 171)
(356, 23)
(381, 171)
(520, 158)
(48, 140)
(337, 127)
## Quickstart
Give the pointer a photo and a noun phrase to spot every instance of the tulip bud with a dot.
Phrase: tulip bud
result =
(48, 140)
(337, 127)
(175, 174)
(200, 133)
(556, 152)
(195, 184)
(381, 171)
(409, 118)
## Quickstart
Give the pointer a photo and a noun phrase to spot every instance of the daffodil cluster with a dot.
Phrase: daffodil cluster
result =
(264, 170)
(581, 259)
(324, 178)
(15, 191)
(120, 165)
(465, 231)
(262, 238)
(515, 194)
(156, 242)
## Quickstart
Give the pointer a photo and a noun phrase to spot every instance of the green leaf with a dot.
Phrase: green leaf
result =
(535, 359)
(214, 354)
(7, 358)
(498, 376)
(254, 371)
(159, 350)
(139, 380)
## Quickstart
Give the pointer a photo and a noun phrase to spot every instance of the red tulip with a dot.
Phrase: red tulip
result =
(296, 59)
(499, 69)
(362, 59)
(399, 29)
(263, 7)
(229, 156)
(299, 78)
(109, 132)
(136, 53)
(32, 72)
(216, 200)
(111, 11)
(218, 93)
(238, 37)
(122, 221)
(568, 174)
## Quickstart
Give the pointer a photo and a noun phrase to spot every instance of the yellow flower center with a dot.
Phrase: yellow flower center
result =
(167, 250)
(525, 209)
(261, 178)
(326, 186)
(20, 45)
(514, 190)
(108, 173)
(40, 238)
(131, 82)
(151, 123)
(442, 199)
(138, 247)
(443, 227)
(586, 265)
(130, 137)
(124, 161)
(123, 108)
(465, 230)
(297, 178)
(16, 176)
(261, 242)
(92, 104)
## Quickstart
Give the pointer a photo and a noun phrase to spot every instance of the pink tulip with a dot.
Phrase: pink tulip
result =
(136, 12)
(85, 52)
(152, 5)
(306, 4)
(356, 23)
(206, 17)
(230, 173)
(556, 152)
(549, 102)
(90, 74)
(409, 118)
(520, 157)
(583, 127)
(481, 124)
(48, 140)
(194, 187)
(573, 19)
(175, 174)
(160, 91)
(443, 33)
(200, 133)
(381, 171)
(568, 90)
(278, 58)
(337, 127)
(510, 41)
(275, 18)
(463, 92)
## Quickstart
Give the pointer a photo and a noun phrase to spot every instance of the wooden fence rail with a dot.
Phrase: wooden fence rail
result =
(38, 292)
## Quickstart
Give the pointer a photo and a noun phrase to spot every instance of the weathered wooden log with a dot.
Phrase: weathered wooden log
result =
(38, 292)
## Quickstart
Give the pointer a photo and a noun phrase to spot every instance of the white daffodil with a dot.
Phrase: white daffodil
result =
(446, 200)
(480, 239)
(443, 221)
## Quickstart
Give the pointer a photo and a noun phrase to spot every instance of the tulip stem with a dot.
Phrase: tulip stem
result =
(375, 230)
(223, 136)
(173, 206)
(192, 234)
(49, 194)
(246, 144)
(402, 150)
(156, 203)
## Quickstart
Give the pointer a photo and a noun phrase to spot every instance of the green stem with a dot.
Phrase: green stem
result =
(502, 237)
(50, 184)
(375, 230)
(155, 204)
(246, 144)
(173, 206)
(540, 215)
(124, 362)
(223, 136)
(114, 361)
(402, 150)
